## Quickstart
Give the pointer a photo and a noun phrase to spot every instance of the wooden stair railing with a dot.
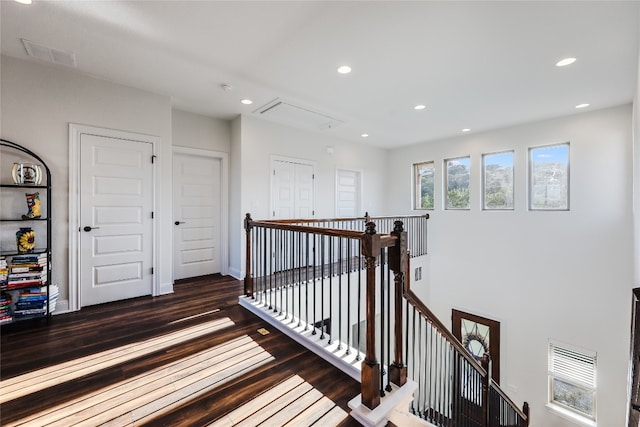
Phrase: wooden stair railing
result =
(465, 394)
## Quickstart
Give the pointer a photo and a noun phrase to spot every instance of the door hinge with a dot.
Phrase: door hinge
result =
(313, 213)
(274, 172)
(152, 270)
(152, 215)
(153, 158)
(274, 213)
(313, 176)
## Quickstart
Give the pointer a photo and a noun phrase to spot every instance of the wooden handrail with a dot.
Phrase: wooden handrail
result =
(511, 403)
(336, 232)
(442, 329)
(365, 219)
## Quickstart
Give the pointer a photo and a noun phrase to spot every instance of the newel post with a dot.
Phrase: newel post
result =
(248, 279)
(486, 384)
(370, 385)
(398, 262)
(525, 410)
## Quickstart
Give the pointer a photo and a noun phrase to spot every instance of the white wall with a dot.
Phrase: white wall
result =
(636, 198)
(197, 131)
(38, 103)
(256, 140)
(236, 232)
(560, 275)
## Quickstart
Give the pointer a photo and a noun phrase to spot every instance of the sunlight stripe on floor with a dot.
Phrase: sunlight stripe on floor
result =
(195, 316)
(158, 391)
(41, 379)
(294, 402)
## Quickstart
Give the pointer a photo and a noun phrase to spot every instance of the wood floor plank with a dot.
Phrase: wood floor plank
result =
(80, 408)
(43, 378)
(160, 394)
(251, 414)
(312, 414)
(275, 398)
(165, 387)
(335, 417)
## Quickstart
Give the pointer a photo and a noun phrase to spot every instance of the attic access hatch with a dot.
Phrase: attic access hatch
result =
(295, 115)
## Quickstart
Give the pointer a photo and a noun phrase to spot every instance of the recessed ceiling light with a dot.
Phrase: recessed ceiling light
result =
(247, 101)
(582, 105)
(345, 69)
(420, 107)
(566, 61)
(466, 130)
(365, 135)
(24, 1)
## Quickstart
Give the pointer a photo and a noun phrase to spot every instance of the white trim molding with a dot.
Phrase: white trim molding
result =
(75, 133)
(224, 198)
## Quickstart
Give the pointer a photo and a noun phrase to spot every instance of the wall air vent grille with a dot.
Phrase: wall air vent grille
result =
(289, 113)
(48, 54)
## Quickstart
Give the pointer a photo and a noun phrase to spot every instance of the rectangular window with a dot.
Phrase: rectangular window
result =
(572, 379)
(457, 183)
(497, 181)
(549, 177)
(423, 176)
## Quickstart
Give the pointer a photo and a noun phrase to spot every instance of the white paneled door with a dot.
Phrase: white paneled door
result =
(292, 190)
(116, 225)
(347, 193)
(196, 215)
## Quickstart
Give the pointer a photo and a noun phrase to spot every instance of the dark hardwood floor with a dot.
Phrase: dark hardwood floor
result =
(111, 364)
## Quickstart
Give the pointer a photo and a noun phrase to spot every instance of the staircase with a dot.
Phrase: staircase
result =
(341, 288)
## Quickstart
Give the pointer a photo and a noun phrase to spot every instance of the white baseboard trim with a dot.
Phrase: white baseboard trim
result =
(165, 288)
(337, 357)
(62, 306)
(236, 274)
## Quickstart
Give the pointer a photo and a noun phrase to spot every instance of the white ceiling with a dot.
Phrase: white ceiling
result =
(479, 65)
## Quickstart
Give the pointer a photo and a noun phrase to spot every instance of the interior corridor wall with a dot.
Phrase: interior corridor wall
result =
(38, 103)
(256, 141)
(197, 131)
(564, 275)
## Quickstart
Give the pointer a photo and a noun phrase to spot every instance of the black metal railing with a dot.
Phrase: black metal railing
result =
(349, 286)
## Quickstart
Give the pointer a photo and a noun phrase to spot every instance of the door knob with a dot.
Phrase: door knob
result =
(179, 222)
(87, 228)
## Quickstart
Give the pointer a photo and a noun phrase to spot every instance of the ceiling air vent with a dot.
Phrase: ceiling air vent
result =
(49, 54)
(286, 112)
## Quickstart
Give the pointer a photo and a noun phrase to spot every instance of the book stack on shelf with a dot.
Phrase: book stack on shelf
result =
(26, 287)
(5, 308)
(33, 301)
(4, 273)
(27, 270)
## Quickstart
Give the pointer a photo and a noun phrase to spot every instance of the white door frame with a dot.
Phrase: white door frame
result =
(224, 200)
(75, 132)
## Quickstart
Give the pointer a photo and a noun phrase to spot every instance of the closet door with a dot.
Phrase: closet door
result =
(292, 190)
(196, 215)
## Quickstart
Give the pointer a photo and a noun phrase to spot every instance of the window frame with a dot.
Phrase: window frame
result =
(417, 186)
(484, 180)
(446, 183)
(582, 359)
(531, 188)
